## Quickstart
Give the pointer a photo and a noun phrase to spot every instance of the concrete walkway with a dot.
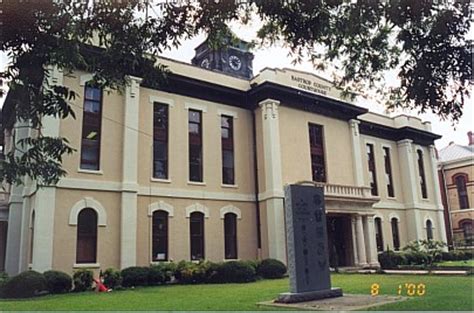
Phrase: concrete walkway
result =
(347, 302)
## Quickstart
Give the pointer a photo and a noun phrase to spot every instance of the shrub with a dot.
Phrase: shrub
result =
(82, 280)
(389, 259)
(135, 276)
(416, 258)
(168, 270)
(58, 282)
(25, 285)
(112, 278)
(271, 268)
(252, 263)
(194, 273)
(232, 272)
(3, 281)
(156, 275)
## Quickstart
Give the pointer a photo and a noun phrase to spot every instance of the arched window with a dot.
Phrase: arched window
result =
(429, 230)
(467, 232)
(378, 233)
(230, 233)
(160, 236)
(395, 234)
(461, 181)
(196, 225)
(86, 249)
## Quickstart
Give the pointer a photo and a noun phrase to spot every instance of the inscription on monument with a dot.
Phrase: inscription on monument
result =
(307, 250)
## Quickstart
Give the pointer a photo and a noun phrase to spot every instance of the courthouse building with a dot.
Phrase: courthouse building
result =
(196, 170)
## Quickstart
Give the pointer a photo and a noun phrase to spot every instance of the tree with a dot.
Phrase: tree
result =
(423, 40)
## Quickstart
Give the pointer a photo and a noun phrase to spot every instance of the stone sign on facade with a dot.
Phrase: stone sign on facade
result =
(308, 259)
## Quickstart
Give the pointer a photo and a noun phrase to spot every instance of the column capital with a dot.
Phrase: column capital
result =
(269, 108)
(354, 124)
(405, 143)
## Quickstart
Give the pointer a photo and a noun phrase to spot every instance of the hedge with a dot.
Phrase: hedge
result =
(82, 280)
(25, 285)
(135, 276)
(271, 268)
(58, 282)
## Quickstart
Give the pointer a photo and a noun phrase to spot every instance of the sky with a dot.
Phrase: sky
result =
(277, 57)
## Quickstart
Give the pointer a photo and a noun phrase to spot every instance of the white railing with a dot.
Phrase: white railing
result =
(345, 191)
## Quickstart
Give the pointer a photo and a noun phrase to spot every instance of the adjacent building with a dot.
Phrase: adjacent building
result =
(456, 175)
(196, 170)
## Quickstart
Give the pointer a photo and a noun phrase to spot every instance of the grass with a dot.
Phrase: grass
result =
(469, 263)
(442, 293)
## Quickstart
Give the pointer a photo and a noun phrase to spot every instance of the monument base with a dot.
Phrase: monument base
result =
(290, 297)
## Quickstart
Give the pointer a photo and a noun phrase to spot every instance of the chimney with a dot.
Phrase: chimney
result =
(470, 135)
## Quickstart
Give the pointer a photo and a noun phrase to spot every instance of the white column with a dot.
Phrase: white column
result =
(411, 186)
(356, 153)
(372, 255)
(45, 200)
(15, 258)
(128, 238)
(360, 241)
(273, 180)
(437, 196)
(354, 239)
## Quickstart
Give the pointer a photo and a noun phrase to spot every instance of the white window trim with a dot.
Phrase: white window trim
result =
(161, 206)
(394, 215)
(428, 218)
(225, 112)
(195, 106)
(379, 216)
(88, 202)
(230, 209)
(170, 102)
(84, 79)
(197, 207)
(86, 265)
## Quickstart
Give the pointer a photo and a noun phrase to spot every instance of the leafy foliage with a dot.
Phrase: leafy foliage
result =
(271, 268)
(82, 280)
(112, 278)
(423, 41)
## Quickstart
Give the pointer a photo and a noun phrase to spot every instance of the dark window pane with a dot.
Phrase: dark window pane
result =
(195, 146)
(196, 226)
(429, 230)
(421, 169)
(461, 182)
(86, 248)
(378, 233)
(395, 234)
(91, 129)
(160, 140)
(230, 232)
(388, 172)
(160, 236)
(318, 166)
(372, 170)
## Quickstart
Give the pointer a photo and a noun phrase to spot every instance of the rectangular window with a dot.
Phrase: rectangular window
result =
(196, 223)
(388, 172)
(372, 170)
(227, 142)
(160, 140)
(91, 129)
(195, 145)
(318, 166)
(421, 169)
(160, 236)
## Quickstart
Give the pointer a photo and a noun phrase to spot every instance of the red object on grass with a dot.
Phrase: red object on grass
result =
(100, 286)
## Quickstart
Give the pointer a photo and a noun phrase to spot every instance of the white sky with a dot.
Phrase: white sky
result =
(277, 57)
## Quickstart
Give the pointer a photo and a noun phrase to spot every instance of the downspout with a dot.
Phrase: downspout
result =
(448, 206)
(257, 203)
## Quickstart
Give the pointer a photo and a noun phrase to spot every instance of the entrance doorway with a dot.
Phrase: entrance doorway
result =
(339, 240)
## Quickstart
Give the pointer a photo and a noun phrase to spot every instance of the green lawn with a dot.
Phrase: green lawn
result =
(442, 293)
(457, 263)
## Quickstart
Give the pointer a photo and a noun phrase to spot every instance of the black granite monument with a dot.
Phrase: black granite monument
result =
(307, 246)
